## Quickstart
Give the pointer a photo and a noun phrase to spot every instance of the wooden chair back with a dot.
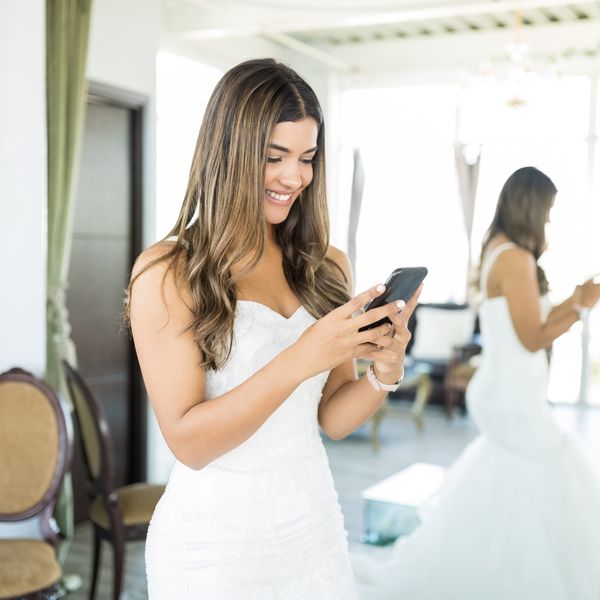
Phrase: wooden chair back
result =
(95, 435)
(35, 449)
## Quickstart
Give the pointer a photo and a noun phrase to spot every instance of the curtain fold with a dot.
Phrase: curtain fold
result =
(467, 159)
(67, 32)
(358, 184)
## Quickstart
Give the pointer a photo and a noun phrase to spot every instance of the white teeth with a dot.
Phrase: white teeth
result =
(279, 197)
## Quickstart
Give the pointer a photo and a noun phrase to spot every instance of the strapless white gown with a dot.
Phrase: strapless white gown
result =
(519, 515)
(263, 521)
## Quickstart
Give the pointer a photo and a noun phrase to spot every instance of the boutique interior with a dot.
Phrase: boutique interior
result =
(429, 106)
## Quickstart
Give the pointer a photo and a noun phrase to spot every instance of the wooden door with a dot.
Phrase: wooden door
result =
(106, 233)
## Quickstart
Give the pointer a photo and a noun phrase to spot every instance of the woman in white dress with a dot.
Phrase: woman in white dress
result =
(519, 515)
(246, 339)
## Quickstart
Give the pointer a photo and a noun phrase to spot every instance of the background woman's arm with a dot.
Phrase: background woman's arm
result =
(516, 273)
(564, 311)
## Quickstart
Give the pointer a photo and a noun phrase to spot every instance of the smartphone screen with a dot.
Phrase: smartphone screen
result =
(400, 285)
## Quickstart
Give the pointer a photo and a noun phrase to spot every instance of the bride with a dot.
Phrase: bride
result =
(519, 515)
(246, 336)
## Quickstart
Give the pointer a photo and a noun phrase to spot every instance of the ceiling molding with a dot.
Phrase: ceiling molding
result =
(276, 22)
(313, 52)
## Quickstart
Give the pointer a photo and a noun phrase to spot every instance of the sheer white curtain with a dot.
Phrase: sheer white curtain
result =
(358, 185)
(467, 158)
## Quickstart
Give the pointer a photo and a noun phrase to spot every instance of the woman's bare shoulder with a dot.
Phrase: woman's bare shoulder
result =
(512, 271)
(516, 258)
(512, 256)
(153, 254)
(156, 276)
(341, 260)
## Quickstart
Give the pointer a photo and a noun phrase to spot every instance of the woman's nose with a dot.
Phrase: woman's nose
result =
(290, 176)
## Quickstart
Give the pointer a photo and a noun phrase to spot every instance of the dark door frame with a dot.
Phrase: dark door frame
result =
(137, 104)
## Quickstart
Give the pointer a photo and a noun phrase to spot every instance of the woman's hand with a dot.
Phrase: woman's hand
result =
(390, 350)
(335, 338)
(588, 293)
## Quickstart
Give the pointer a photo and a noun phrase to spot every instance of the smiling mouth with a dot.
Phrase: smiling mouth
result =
(278, 198)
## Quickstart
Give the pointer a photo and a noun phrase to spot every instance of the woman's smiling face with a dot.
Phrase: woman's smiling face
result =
(289, 169)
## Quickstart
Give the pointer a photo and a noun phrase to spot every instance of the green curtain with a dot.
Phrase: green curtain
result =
(67, 30)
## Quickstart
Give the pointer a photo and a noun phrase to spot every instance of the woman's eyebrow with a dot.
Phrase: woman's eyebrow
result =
(284, 149)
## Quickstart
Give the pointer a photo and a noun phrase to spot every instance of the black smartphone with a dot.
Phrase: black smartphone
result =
(400, 285)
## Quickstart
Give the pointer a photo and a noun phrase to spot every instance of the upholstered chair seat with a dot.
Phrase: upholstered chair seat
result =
(27, 566)
(136, 501)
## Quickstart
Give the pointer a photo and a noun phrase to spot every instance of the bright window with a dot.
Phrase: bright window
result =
(406, 136)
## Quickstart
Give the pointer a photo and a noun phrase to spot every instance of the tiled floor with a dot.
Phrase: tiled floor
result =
(79, 563)
(355, 466)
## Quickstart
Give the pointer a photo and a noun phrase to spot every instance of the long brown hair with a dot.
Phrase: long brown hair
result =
(222, 222)
(522, 212)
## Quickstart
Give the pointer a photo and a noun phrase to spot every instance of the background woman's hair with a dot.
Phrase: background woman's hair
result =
(221, 222)
(521, 214)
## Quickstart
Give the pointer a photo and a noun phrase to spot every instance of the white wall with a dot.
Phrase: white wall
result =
(22, 197)
(124, 40)
(22, 185)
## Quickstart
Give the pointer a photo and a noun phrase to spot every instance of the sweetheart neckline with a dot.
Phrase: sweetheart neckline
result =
(272, 310)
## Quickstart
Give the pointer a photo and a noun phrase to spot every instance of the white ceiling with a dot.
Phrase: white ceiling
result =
(354, 35)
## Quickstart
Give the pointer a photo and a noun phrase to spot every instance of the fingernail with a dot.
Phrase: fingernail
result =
(381, 287)
(400, 304)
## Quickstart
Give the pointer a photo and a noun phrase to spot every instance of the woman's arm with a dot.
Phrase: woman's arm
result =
(198, 430)
(516, 272)
(564, 311)
(584, 296)
(348, 402)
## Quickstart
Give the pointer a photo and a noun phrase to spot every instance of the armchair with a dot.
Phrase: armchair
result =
(444, 336)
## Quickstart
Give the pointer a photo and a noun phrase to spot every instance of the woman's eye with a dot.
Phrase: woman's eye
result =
(309, 161)
(274, 159)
